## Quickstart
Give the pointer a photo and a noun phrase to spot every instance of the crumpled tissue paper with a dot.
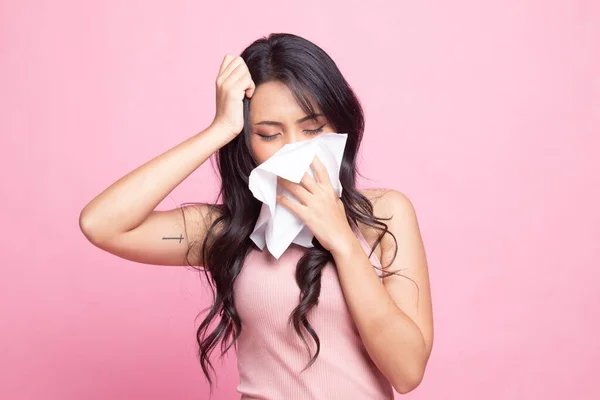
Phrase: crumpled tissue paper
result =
(277, 227)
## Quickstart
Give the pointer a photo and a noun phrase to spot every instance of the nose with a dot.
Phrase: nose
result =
(293, 137)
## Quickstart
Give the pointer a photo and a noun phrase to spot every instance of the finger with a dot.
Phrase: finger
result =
(295, 189)
(226, 60)
(251, 87)
(309, 183)
(243, 79)
(234, 64)
(296, 208)
(320, 171)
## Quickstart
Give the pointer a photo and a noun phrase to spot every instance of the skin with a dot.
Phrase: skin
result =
(394, 318)
(273, 101)
(276, 120)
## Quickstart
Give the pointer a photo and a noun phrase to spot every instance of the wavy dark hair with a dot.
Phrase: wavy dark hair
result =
(308, 72)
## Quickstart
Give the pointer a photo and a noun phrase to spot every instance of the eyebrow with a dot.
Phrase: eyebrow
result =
(277, 123)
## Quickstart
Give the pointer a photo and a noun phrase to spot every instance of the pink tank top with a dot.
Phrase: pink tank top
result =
(271, 354)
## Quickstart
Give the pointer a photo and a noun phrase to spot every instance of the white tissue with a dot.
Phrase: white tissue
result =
(277, 227)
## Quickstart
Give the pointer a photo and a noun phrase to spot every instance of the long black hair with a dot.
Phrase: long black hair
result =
(309, 73)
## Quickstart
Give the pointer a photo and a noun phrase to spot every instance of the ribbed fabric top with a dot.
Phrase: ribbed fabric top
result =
(271, 354)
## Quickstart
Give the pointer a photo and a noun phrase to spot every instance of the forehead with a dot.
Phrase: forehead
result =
(274, 100)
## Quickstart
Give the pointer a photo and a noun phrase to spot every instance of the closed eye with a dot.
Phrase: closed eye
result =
(309, 131)
(315, 131)
(267, 137)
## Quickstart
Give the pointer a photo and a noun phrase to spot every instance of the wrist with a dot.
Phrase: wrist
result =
(347, 247)
(219, 134)
(225, 131)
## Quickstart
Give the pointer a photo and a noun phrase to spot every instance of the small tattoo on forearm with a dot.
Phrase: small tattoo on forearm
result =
(180, 238)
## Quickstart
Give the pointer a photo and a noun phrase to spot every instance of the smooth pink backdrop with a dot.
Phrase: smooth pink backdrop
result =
(486, 114)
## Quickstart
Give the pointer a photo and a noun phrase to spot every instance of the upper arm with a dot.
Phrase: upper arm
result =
(163, 238)
(411, 295)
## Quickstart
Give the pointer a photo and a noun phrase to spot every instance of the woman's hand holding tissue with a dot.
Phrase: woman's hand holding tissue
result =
(320, 208)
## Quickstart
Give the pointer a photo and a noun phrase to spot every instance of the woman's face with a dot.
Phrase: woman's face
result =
(276, 119)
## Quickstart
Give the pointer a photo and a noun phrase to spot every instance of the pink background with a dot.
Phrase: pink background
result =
(486, 114)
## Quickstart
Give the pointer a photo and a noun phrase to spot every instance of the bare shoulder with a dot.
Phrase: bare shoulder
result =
(387, 203)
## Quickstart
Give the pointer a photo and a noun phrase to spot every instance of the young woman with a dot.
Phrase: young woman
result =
(335, 321)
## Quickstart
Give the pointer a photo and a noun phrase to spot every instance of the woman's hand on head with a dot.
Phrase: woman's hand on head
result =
(232, 84)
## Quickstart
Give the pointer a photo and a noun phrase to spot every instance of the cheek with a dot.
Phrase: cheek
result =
(263, 150)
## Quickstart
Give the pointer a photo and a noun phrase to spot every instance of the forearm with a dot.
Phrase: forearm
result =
(393, 341)
(126, 203)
